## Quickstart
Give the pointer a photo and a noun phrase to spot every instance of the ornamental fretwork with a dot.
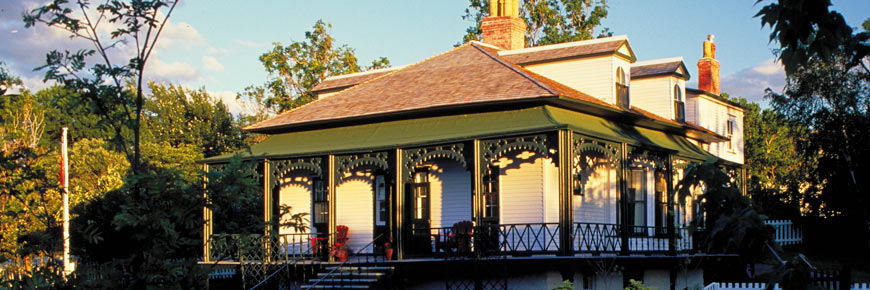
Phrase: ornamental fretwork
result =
(647, 158)
(279, 168)
(415, 157)
(591, 155)
(492, 150)
(347, 163)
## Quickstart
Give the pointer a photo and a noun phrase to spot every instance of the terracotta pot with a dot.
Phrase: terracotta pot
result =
(389, 253)
(342, 255)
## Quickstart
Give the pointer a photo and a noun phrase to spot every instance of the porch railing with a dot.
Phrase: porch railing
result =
(283, 247)
(599, 238)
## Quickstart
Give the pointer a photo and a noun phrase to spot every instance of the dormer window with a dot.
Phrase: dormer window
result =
(729, 132)
(621, 88)
(679, 105)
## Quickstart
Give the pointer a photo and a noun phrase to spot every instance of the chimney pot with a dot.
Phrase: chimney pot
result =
(708, 68)
(504, 28)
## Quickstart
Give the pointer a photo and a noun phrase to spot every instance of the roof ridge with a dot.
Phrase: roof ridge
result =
(517, 70)
(666, 60)
(255, 125)
(565, 45)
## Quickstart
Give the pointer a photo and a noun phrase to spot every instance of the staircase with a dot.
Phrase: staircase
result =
(349, 277)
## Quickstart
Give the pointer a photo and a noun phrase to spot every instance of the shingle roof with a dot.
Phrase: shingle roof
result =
(565, 52)
(465, 75)
(349, 80)
(665, 68)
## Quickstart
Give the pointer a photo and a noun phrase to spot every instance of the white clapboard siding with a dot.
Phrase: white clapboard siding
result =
(654, 94)
(591, 75)
(296, 193)
(598, 203)
(551, 191)
(354, 204)
(521, 189)
(450, 186)
(692, 110)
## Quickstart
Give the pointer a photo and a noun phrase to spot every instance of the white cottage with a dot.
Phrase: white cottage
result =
(517, 167)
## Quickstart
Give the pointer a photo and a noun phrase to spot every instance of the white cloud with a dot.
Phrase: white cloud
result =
(750, 83)
(179, 34)
(176, 72)
(211, 63)
(229, 98)
(217, 51)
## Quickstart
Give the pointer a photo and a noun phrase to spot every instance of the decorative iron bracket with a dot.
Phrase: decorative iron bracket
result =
(415, 157)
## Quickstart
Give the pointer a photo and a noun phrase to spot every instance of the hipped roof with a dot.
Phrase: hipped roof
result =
(469, 74)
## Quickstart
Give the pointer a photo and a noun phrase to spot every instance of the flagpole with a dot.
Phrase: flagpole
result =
(67, 266)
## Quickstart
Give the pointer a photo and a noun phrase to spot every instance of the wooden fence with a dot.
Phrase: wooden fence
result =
(787, 233)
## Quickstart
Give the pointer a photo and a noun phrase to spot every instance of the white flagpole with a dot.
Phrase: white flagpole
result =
(67, 265)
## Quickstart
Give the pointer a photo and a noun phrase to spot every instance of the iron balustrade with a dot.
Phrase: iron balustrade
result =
(600, 238)
(275, 248)
(529, 239)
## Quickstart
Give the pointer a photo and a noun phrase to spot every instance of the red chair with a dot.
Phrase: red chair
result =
(340, 235)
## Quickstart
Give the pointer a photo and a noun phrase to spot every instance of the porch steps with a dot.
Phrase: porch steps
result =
(349, 277)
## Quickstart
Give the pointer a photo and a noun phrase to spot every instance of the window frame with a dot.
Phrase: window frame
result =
(421, 210)
(621, 83)
(679, 104)
(319, 202)
(729, 132)
(490, 194)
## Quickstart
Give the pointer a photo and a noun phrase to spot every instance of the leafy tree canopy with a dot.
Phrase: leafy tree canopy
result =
(7, 79)
(296, 68)
(809, 29)
(547, 21)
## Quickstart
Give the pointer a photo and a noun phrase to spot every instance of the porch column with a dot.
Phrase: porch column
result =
(672, 229)
(566, 195)
(330, 199)
(267, 197)
(476, 183)
(207, 226)
(399, 214)
(267, 207)
(622, 187)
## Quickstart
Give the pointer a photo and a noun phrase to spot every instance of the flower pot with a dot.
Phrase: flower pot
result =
(388, 252)
(342, 255)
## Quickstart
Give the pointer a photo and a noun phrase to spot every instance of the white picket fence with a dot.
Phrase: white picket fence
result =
(787, 233)
(761, 286)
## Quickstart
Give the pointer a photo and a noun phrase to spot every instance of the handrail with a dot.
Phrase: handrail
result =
(294, 262)
(328, 275)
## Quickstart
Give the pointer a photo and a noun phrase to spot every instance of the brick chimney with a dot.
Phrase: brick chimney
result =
(504, 28)
(708, 68)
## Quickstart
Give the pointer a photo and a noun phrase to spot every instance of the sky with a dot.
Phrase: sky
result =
(215, 44)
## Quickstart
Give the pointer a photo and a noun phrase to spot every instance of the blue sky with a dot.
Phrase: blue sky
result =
(215, 44)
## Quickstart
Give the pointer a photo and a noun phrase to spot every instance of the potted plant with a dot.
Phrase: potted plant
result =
(388, 250)
(340, 252)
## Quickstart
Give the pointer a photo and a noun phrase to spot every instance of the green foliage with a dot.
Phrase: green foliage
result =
(638, 285)
(7, 79)
(733, 224)
(104, 84)
(68, 107)
(95, 169)
(547, 21)
(191, 117)
(29, 199)
(833, 102)
(296, 68)
(778, 172)
(809, 29)
(236, 199)
(566, 285)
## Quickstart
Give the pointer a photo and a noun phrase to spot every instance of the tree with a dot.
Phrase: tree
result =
(778, 171)
(809, 29)
(191, 117)
(135, 23)
(833, 103)
(547, 21)
(7, 79)
(296, 68)
(731, 222)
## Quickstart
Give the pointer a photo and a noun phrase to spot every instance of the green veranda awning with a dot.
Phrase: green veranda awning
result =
(444, 129)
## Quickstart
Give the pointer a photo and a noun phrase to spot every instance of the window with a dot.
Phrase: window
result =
(321, 202)
(679, 105)
(729, 132)
(621, 88)
(490, 193)
(637, 199)
(380, 201)
(661, 205)
(420, 191)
